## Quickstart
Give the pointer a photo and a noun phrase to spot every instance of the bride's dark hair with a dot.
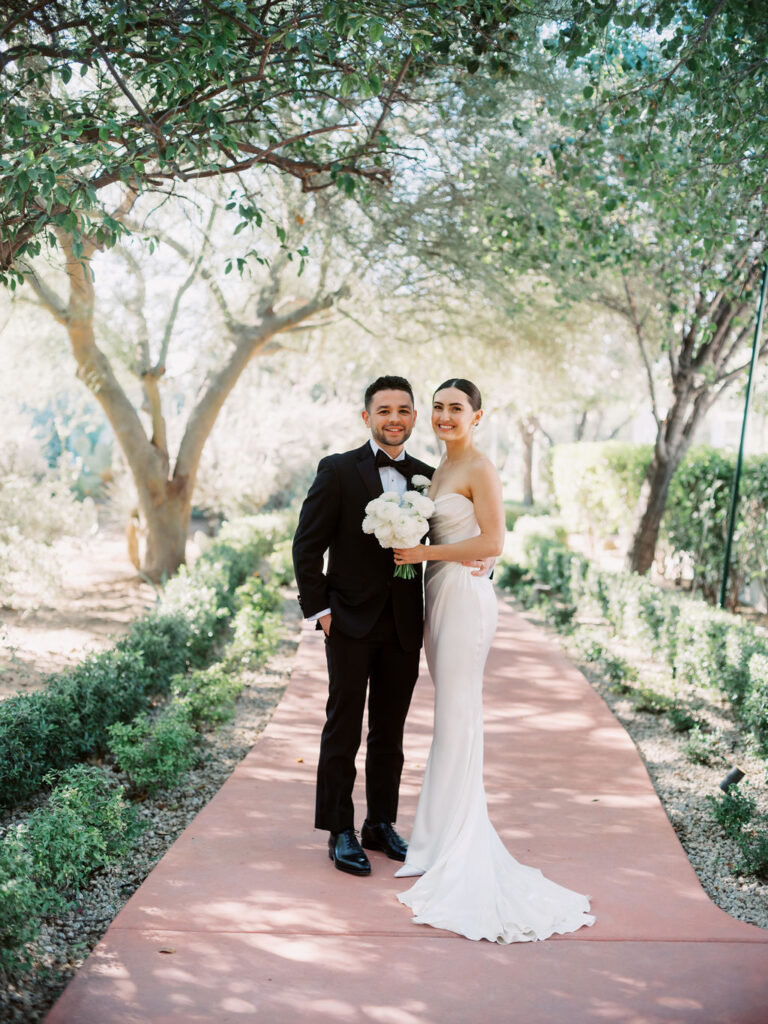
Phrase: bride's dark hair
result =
(470, 390)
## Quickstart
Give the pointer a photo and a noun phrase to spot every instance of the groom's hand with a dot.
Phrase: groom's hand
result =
(481, 566)
(325, 622)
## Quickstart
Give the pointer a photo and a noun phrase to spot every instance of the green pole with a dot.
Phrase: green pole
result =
(740, 457)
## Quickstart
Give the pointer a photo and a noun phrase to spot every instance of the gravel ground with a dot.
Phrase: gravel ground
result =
(65, 941)
(682, 784)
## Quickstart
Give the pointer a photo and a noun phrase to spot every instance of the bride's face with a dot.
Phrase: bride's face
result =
(452, 415)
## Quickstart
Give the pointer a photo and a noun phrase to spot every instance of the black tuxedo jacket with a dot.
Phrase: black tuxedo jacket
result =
(359, 577)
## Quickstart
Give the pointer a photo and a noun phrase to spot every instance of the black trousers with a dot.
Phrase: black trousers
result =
(376, 665)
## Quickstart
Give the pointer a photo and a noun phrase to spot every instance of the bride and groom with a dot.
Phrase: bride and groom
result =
(374, 623)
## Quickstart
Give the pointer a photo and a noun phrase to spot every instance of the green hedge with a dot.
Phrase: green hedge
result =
(596, 487)
(696, 517)
(85, 825)
(703, 645)
(71, 718)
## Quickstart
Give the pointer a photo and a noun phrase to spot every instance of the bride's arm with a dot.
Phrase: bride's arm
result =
(489, 512)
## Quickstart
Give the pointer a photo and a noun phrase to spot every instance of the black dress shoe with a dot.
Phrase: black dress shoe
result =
(383, 837)
(347, 854)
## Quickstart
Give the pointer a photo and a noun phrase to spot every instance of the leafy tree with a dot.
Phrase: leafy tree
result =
(648, 194)
(152, 93)
(102, 103)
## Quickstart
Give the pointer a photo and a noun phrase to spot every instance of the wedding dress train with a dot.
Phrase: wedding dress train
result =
(469, 883)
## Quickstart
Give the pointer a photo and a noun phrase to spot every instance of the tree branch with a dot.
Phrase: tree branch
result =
(639, 335)
(250, 343)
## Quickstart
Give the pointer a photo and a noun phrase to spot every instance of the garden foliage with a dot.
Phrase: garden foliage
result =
(71, 719)
(85, 825)
(596, 487)
(703, 646)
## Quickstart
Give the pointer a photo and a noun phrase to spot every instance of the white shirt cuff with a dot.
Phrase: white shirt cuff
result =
(314, 618)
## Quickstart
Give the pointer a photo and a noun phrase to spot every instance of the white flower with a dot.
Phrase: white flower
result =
(421, 482)
(420, 502)
(398, 522)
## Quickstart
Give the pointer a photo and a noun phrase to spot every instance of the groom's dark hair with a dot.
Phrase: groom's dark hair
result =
(386, 384)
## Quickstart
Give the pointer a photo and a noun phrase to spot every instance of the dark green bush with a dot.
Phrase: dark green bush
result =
(85, 825)
(732, 810)
(696, 517)
(703, 646)
(754, 851)
(20, 902)
(509, 575)
(681, 719)
(155, 751)
(755, 707)
(208, 695)
(162, 640)
(70, 719)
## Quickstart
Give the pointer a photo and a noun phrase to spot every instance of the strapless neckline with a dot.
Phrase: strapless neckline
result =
(452, 494)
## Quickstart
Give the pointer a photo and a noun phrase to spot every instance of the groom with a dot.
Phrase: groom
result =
(373, 624)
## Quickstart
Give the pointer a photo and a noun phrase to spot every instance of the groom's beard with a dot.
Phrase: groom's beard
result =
(391, 440)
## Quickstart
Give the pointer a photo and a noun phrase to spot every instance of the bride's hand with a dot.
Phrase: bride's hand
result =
(410, 556)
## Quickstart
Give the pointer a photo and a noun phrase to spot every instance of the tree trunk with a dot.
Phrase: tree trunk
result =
(527, 427)
(164, 493)
(167, 525)
(650, 510)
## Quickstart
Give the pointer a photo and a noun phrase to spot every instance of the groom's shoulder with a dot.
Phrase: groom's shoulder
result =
(339, 459)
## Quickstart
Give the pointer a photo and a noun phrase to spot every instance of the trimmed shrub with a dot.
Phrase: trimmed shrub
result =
(85, 825)
(155, 752)
(255, 625)
(208, 695)
(703, 646)
(732, 810)
(70, 720)
(755, 707)
(20, 902)
(696, 516)
(161, 639)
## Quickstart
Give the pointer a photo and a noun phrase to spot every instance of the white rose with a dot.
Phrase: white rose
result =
(385, 535)
(420, 503)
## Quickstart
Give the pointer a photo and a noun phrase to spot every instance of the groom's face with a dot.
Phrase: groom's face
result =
(390, 418)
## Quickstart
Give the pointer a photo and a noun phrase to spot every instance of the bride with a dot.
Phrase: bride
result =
(468, 882)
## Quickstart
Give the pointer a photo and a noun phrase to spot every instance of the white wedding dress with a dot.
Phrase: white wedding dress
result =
(469, 883)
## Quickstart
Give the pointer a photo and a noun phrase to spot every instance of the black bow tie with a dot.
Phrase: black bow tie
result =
(404, 465)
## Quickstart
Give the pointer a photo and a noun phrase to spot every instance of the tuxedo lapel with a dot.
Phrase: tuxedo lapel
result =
(368, 471)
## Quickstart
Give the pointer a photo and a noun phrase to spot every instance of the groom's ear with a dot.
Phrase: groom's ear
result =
(366, 418)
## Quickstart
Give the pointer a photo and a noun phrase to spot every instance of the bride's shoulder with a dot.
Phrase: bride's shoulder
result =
(482, 464)
(483, 474)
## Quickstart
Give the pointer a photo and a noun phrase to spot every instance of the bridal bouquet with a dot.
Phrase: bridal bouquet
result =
(399, 521)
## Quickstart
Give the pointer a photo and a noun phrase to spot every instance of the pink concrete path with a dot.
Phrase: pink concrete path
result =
(245, 919)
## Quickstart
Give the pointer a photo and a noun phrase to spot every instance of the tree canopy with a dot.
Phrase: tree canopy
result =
(153, 92)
